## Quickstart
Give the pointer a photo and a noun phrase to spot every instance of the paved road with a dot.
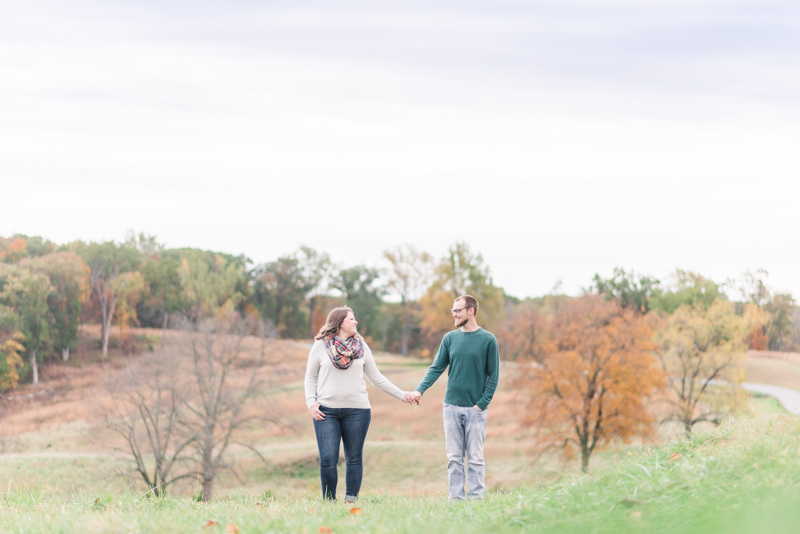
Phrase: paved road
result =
(788, 397)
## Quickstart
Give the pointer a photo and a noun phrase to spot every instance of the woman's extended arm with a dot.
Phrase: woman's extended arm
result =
(377, 379)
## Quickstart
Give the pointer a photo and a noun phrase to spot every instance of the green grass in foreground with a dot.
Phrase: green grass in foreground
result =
(742, 478)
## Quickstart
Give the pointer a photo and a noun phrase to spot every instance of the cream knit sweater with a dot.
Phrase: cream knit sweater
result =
(343, 388)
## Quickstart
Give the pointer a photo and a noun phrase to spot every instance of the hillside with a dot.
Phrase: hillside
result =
(62, 473)
(58, 428)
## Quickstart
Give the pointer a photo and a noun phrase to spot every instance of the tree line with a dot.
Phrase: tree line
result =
(49, 291)
(593, 365)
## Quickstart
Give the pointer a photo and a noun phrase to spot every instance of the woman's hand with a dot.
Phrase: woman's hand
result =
(316, 413)
(412, 397)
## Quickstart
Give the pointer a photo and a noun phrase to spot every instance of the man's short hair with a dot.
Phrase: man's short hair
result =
(470, 302)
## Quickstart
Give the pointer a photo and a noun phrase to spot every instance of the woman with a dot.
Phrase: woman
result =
(336, 395)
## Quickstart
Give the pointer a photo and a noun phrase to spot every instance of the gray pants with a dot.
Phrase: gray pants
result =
(464, 432)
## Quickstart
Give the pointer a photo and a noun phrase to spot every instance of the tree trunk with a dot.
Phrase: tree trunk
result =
(65, 354)
(585, 455)
(208, 474)
(104, 326)
(105, 341)
(164, 332)
(108, 316)
(278, 311)
(158, 487)
(35, 367)
(405, 334)
(687, 428)
(208, 486)
(207, 452)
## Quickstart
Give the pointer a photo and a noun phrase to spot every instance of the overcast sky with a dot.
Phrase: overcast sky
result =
(558, 139)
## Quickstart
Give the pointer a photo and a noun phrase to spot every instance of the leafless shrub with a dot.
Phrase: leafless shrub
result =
(185, 406)
(145, 410)
(216, 409)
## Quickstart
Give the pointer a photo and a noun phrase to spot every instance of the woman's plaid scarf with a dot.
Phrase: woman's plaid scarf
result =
(344, 351)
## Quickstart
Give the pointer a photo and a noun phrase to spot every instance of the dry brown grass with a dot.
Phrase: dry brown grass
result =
(773, 371)
(404, 451)
(793, 357)
(70, 392)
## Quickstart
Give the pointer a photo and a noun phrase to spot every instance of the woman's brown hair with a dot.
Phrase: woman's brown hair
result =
(334, 322)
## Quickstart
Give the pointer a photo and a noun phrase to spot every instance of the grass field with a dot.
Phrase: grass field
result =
(59, 472)
(741, 478)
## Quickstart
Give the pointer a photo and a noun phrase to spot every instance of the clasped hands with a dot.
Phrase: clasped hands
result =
(412, 397)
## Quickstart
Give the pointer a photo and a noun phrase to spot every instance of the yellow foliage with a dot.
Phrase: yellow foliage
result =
(211, 287)
(131, 286)
(703, 352)
(461, 272)
(12, 348)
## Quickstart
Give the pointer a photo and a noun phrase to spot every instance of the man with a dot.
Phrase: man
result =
(471, 353)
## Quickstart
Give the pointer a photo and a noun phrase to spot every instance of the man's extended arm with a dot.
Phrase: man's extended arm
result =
(434, 372)
(493, 372)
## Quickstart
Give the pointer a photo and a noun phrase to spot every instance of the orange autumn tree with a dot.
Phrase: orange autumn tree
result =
(593, 371)
(756, 320)
(130, 286)
(520, 336)
(12, 249)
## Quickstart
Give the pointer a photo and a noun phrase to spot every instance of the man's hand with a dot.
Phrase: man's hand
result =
(412, 397)
(477, 408)
(316, 413)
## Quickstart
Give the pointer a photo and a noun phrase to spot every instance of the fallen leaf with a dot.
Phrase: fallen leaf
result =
(355, 511)
(325, 530)
(674, 456)
(636, 514)
(211, 523)
(312, 509)
(231, 529)
(97, 501)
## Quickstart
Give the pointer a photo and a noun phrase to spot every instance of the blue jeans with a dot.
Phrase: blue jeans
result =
(349, 426)
(464, 432)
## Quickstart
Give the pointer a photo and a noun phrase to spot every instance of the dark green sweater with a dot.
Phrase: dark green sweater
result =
(474, 368)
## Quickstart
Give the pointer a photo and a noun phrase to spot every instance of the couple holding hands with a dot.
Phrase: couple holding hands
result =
(336, 395)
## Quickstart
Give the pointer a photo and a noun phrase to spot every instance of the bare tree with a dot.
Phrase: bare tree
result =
(410, 271)
(753, 288)
(217, 408)
(107, 297)
(147, 401)
(702, 353)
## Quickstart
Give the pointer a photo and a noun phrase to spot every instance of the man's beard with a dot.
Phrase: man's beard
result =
(461, 323)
